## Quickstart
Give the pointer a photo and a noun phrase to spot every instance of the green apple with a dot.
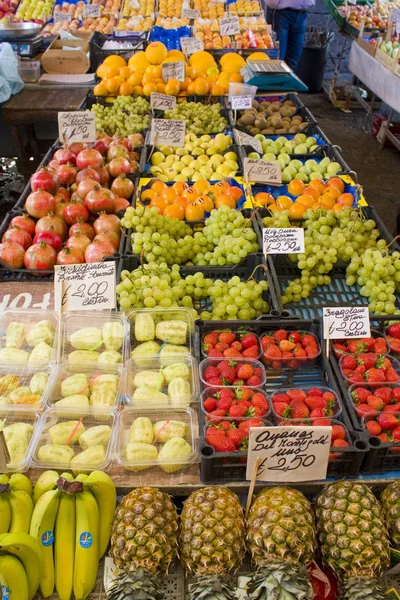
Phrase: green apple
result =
(233, 166)
(206, 172)
(155, 170)
(281, 140)
(290, 170)
(280, 162)
(315, 175)
(205, 138)
(157, 158)
(285, 157)
(313, 148)
(181, 151)
(190, 137)
(301, 137)
(231, 156)
(196, 176)
(189, 147)
(195, 165)
(269, 157)
(203, 159)
(278, 144)
(286, 177)
(325, 162)
(187, 172)
(333, 168)
(213, 150)
(216, 160)
(253, 155)
(197, 151)
(311, 163)
(169, 159)
(296, 164)
(162, 177)
(187, 159)
(305, 169)
(260, 137)
(223, 170)
(310, 141)
(301, 149)
(180, 177)
(216, 177)
(171, 174)
(178, 166)
(302, 177)
(166, 150)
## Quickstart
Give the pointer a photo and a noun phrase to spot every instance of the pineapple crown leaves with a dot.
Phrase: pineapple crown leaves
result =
(278, 580)
(211, 588)
(136, 585)
(361, 589)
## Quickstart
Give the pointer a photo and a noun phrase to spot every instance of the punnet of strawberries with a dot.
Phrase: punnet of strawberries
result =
(339, 437)
(370, 400)
(234, 402)
(232, 435)
(241, 344)
(289, 349)
(393, 337)
(385, 426)
(311, 403)
(369, 367)
(229, 372)
(358, 346)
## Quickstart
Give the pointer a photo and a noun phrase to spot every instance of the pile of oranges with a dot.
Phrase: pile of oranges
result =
(329, 195)
(190, 203)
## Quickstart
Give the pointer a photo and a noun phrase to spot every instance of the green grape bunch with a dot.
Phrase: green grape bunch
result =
(125, 115)
(199, 118)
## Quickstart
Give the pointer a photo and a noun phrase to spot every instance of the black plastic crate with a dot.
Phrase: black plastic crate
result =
(98, 54)
(272, 53)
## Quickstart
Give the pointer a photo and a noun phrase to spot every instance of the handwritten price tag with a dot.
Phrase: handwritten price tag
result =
(245, 139)
(60, 17)
(173, 70)
(289, 454)
(190, 13)
(91, 10)
(162, 101)
(77, 126)
(241, 102)
(346, 322)
(283, 241)
(262, 171)
(229, 26)
(191, 45)
(85, 287)
(165, 132)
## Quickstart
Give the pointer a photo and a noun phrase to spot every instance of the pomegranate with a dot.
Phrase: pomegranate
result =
(109, 236)
(18, 236)
(39, 204)
(122, 187)
(61, 204)
(84, 228)
(136, 139)
(64, 192)
(66, 174)
(70, 256)
(117, 151)
(100, 200)
(104, 175)
(85, 186)
(12, 255)
(24, 222)
(122, 142)
(134, 166)
(89, 172)
(89, 158)
(102, 145)
(78, 241)
(76, 147)
(52, 223)
(121, 204)
(106, 223)
(53, 164)
(45, 179)
(119, 166)
(41, 257)
(97, 251)
(77, 199)
(75, 212)
(49, 237)
(64, 156)
(134, 156)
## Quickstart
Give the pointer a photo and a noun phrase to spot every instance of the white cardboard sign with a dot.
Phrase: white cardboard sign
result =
(285, 240)
(173, 70)
(89, 286)
(241, 102)
(190, 45)
(245, 139)
(91, 10)
(229, 26)
(262, 171)
(162, 101)
(60, 17)
(167, 132)
(190, 13)
(346, 322)
(77, 126)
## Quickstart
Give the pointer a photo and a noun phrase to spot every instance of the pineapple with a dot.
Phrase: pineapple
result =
(281, 539)
(143, 543)
(353, 538)
(212, 541)
(390, 499)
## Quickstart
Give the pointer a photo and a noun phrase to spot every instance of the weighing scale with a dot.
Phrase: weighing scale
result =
(26, 48)
(272, 75)
(25, 38)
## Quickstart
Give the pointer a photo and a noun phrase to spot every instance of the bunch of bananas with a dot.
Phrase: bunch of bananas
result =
(16, 504)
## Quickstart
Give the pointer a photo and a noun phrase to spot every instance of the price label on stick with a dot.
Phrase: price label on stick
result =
(91, 10)
(190, 45)
(289, 454)
(346, 322)
(166, 132)
(190, 13)
(241, 102)
(162, 101)
(60, 17)
(173, 70)
(229, 26)
(262, 171)
(245, 139)
(77, 126)
(85, 287)
(283, 240)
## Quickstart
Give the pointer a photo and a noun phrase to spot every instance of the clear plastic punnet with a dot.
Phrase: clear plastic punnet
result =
(21, 427)
(25, 386)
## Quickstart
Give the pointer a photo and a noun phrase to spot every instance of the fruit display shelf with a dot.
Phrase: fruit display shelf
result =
(137, 39)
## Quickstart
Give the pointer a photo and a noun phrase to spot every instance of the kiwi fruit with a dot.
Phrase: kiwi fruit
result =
(254, 130)
(255, 104)
(276, 122)
(294, 129)
(246, 120)
(303, 125)
(261, 123)
(281, 130)
(286, 120)
(268, 131)
(275, 107)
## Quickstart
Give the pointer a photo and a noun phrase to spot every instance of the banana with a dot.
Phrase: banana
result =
(86, 545)
(14, 574)
(3, 586)
(42, 529)
(67, 476)
(21, 511)
(27, 550)
(20, 482)
(64, 546)
(5, 513)
(3, 479)
(81, 477)
(103, 489)
(47, 481)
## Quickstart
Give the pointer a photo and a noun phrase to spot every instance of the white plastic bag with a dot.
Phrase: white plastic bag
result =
(9, 73)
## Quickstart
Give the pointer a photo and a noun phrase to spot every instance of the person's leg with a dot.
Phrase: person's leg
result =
(280, 24)
(296, 39)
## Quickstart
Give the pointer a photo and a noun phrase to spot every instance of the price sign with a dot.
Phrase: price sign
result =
(91, 10)
(346, 322)
(162, 101)
(77, 126)
(289, 454)
(191, 45)
(262, 171)
(241, 102)
(173, 70)
(85, 287)
(248, 140)
(288, 240)
(229, 26)
(354, 2)
(166, 132)
(60, 17)
(190, 13)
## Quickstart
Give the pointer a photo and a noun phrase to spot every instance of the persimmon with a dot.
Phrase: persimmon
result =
(225, 200)
(312, 191)
(236, 192)
(181, 201)
(169, 194)
(194, 212)
(296, 187)
(148, 195)
(201, 186)
(331, 191)
(158, 187)
(179, 186)
(306, 200)
(175, 211)
(190, 194)
(220, 187)
(297, 210)
(284, 202)
(263, 198)
(337, 183)
(346, 199)
(160, 203)
(318, 185)
(205, 202)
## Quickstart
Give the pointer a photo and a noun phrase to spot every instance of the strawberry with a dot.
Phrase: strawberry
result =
(225, 363)
(375, 375)
(391, 375)
(232, 353)
(396, 394)
(356, 378)
(217, 416)
(266, 341)
(238, 410)
(286, 346)
(282, 409)
(300, 412)
(321, 422)
(236, 435)
(356, 347)
(388, 421)
(213, 353)
(215, 431)
(294, 336)
(314, 402)
(206, 348)
(384, 393)
(209, 404)
(238, 381)
(254, 381)
(296, 394)
(215, 381)
(394, 345)
(360, 370)
(279, 335)
(380, 346)
(396, 434)
(373, 427)
(308, 340)
(318, 413)
(314, 392)
(259, 400)
(251, 352)
(210, 372)
(227, 337)
(254, 422)
(365, 409)
(340, 444)
(338, 432)
(225, 393)
(394, 330)
(272, 352)
(329, 397)
(222, 444)
(249, 340)
(237, 345)
(384, 438)
(258, 371)
(360, 395)
(367, 359)
(245, 403)
(281, 398)
(225, 425)
(375, 402)
(228, 375)
(339, 349)
(392, 407)
(211, 338)
(224, 404)
(301, 353)
(243, 393)
(221, 347)
(348, 362)
(256, 411)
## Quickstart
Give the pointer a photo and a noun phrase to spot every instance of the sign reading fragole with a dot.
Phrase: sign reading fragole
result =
(261, 171)
(173, 70)
(285, 240)
(162, 101)
(85, 287)
(346, 322)
(190, 13)
(60, 17)
(241, 102)
(229, 26)
(91, 10)
(190, 45)
(167, 132)
(289, 454)
(77, 126)
(245, 139)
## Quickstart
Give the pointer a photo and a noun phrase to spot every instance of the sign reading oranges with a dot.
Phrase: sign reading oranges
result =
(167, 132)
(229, 26)
(283, 240)
(191, 45)
(173, 70)
(262, 171)
(162, 101)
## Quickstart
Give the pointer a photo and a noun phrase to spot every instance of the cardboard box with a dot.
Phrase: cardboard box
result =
(363, 42)
(60, 58)
(386, 60)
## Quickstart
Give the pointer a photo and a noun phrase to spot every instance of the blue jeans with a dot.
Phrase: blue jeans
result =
(290, 27)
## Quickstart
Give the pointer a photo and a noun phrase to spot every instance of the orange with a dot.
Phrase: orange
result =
(135, 79)
(100, 89)
(161, 88)
(337, 207)
(284, 202)
(181, 201)
(205, 202)
(158, 187)
(194, 212)
(172, 87)
(148, 195)
(211, 79)
(112, 85)
(297, 210)
(312, 191)
(337, 183)
(275, 208)
(334, 192)
(125, 72)
(156, 70)
(179, 186)
(126, 89)
(111, 71)
(264, 199)
(190, 88)
(217, 89)
(235, 77)
(175, 211)
(201, 186)
(169, 194)
(115, 61)
(148, 88)
(306, 200)
(221, 187)
(138, 90)
(327, 201)
(190, 194)
(160, 203)
(296, 187)
(235, 192)
(184, 84)
(346, 199)
(224, 199)
(148, 78)
(201, 87)
(318, 185)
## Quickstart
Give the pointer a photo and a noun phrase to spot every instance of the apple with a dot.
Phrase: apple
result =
(301, 149)
(187, 172)
(253, 155)
(178, 166)
(206, 172)
(157, 158)
(333, 168)
(285, 157)
(187, 159)
(181, 177)
(269, 157)
(315, 175)
(203, 159)
(171, 174)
